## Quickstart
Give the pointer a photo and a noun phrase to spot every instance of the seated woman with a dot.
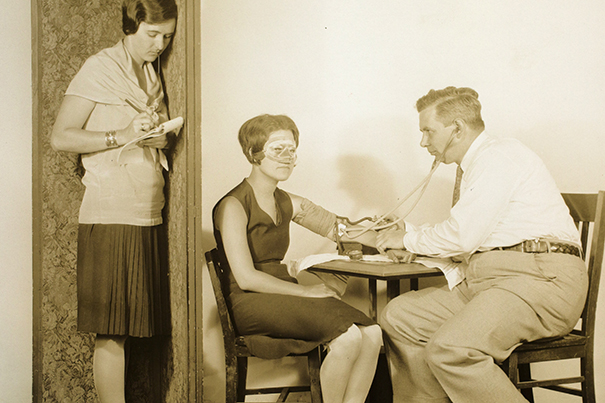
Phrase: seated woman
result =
(251, 227)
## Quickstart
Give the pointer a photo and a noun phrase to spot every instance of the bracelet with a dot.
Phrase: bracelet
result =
(110, 139)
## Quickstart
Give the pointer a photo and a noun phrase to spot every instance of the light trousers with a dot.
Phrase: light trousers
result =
(444, 346)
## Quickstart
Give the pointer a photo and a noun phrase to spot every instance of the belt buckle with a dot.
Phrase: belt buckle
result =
(535, 246)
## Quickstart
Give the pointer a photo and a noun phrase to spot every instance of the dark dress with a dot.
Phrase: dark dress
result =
(276, 325)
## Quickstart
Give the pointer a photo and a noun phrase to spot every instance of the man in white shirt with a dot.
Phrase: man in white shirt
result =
(522, 278)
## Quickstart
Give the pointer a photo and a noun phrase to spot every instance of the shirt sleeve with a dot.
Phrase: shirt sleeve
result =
(85, 83)
(487, 189)
(101, 80)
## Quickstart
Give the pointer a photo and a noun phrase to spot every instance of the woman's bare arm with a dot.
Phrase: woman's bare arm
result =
(231, 221)
(68, 133)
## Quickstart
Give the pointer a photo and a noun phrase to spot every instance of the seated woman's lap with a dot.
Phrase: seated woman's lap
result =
(286, 316)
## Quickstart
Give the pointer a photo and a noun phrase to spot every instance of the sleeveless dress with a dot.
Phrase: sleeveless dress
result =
(275, 325)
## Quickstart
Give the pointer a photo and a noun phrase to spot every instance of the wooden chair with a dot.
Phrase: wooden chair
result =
(237, 353)
(585, 209)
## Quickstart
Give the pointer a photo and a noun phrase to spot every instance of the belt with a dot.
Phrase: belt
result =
(544, 246)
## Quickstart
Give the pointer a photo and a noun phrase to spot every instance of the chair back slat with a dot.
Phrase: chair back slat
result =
(584, 227)
(582, 206)
(217, 277)
(595, 263)
(586, 209)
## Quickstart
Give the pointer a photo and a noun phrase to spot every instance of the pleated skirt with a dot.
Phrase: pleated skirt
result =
(122, 279)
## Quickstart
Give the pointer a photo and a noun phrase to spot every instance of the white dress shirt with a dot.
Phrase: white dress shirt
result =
(507, 196)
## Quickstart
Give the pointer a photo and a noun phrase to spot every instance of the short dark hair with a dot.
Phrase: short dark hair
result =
(254, 133)
(150, 11)
(453, 103)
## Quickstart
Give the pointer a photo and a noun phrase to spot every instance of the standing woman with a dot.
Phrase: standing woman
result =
(116, 97)
(278, 315)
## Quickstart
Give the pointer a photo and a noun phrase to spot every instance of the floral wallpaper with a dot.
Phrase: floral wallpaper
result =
(68, 32)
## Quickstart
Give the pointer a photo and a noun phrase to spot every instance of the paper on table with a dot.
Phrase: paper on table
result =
(165, 127)
(296, 266)
(450, 269)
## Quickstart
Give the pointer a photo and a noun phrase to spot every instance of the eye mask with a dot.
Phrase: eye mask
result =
(281, 151)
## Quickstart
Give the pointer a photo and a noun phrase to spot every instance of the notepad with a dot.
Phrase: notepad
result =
(166, 127)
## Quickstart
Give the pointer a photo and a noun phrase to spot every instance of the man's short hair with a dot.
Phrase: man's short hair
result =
(453, 103)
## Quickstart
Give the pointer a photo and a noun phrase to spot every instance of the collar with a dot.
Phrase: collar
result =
(473, 150)
(151, 99)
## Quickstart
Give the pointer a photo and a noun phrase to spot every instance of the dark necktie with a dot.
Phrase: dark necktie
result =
(456, 194)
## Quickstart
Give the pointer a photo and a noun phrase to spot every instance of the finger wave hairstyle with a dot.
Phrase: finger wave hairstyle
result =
(150, 11)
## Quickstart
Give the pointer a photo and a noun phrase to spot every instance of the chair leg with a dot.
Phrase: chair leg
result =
(525, 375)
(242, 372)
(516, 372)
(510, 367)
(588, 386)
(231, 375)
(283, 395)
(314, 365)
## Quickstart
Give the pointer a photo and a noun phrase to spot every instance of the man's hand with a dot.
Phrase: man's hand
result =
(400, 256)
(390, 239)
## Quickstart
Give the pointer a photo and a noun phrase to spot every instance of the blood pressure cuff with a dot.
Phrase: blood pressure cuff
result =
(322, 222)
(315, 218)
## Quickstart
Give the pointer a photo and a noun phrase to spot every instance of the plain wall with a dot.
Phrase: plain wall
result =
(349, 73)
(16, 204)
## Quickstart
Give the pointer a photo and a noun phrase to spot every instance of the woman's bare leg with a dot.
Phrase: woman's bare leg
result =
(337, 365)
(109, 368)
(362, 374)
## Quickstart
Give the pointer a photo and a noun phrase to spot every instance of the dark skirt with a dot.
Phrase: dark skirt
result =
(276, 325)
(123, 280)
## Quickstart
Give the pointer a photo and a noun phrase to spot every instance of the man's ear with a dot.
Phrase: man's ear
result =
(460, 127)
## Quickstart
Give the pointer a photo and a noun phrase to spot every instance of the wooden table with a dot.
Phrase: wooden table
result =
(373, 271)
(381, 389)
